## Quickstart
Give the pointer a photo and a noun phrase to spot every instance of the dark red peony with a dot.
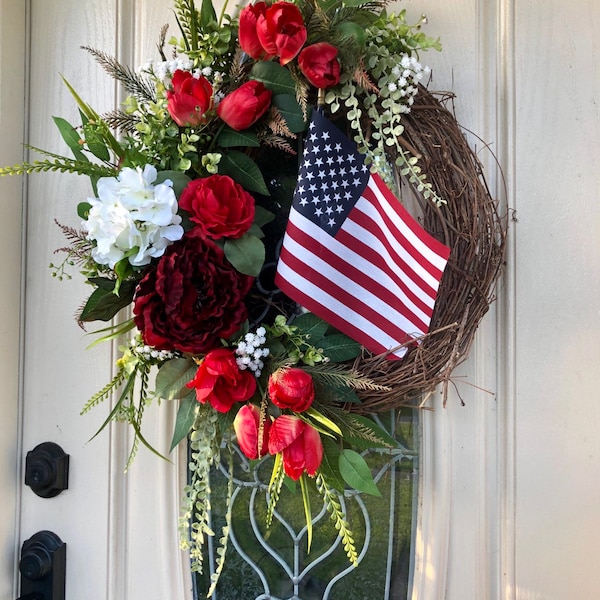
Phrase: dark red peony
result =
(247, 429)
(190, 99)
(299, 443)
(218, 206)
(192, 299)
(245, 105)
(220, 382)
(281, 31)
(247, 34)
(319, 64)
(291, 388)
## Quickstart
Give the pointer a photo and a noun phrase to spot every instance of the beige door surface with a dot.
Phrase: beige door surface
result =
(509, 482)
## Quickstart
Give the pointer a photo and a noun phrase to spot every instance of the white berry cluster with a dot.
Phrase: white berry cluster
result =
(407, 76)
(148, 353)
(250, 351)
(164, 69)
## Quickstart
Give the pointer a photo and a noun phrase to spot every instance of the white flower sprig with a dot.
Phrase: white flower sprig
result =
(250, 351)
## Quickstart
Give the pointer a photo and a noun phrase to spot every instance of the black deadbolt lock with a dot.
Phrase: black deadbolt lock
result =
(43, 567)
(47, 470)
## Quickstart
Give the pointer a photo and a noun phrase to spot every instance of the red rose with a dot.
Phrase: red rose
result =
(220, 382)
(320, 65)
(192, 299)
(247, 425)
(299, 443)
(291, 388)
(247, 35)
(219, 206)
(244, 106)
(281, 31)
(190, 99)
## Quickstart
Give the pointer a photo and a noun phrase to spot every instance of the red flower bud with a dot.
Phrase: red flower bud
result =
(281, 31)
(244, 106)
(247, 34)
(291, 388)
(247, 425)
(189, 100)
(220, 382)
(319, 64)
(299, 443)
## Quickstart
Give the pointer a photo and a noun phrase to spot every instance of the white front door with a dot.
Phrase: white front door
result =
(510, 488)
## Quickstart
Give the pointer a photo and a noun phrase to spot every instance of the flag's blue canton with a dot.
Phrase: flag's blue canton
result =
(331, 177)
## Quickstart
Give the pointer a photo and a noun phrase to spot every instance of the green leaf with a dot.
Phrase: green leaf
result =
(339, 347)
(179, 179)
(311, 325)
(244, 170)
(291, 112)
(230, 138)
(207, 14)
(356, 473)
(83, 208)
(90, 114)
(275, 77)
(97, 147)
(307, 510)
(246, 254)
(185, 419)
(330, 467)
(104, 304)
(385, 439)
(353, 31)
(343, 394)
(323, 420)
(71, 137)
(172, 378)
(262, 216)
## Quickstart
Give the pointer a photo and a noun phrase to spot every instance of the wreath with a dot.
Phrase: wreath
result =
(248, 230)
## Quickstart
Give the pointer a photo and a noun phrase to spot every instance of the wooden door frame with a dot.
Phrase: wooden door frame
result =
(12, 122)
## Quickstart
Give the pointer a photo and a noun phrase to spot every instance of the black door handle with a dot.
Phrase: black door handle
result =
(43, 567)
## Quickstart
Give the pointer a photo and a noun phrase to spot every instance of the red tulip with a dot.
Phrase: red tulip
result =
(247, 425)
(291, 388)
(281, 31)
(220, 382)
(320, 65)
(244, 106)
(299, 443)
(247, 35)
(190, 99)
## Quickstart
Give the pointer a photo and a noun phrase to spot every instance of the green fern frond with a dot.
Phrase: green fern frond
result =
(105, 392)
(134, 83)
(339, 374)
(188, 21)
(59, 163)
(122, 121)
(331, 499)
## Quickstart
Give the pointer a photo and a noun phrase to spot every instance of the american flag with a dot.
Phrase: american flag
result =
(352, 254)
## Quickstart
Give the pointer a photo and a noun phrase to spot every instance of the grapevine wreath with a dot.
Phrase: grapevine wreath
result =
(249, 244)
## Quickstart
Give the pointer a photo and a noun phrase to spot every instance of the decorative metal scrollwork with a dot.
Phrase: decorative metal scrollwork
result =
(273, 563)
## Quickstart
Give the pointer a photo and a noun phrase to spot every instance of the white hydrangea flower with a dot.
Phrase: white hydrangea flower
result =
(132, 214)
